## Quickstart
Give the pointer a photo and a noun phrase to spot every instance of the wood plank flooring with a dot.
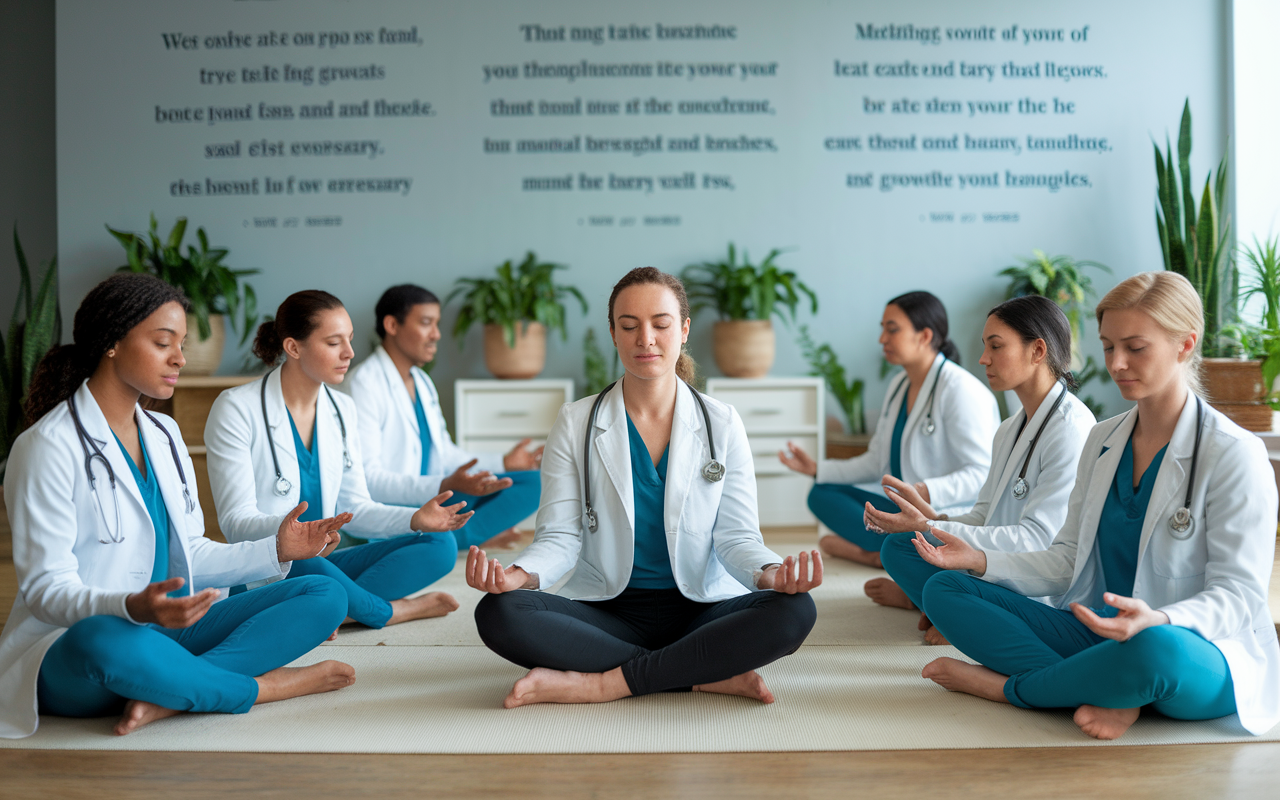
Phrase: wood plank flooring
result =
(1195, 771)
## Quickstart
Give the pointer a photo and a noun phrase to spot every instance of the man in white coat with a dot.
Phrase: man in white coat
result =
(408, 454)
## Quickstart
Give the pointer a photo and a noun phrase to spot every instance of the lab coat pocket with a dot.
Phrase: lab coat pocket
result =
(1178, 559)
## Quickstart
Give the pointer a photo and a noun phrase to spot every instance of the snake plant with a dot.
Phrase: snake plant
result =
(524, 293)
(36, 326)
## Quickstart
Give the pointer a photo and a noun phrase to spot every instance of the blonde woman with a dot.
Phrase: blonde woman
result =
(1162, 565)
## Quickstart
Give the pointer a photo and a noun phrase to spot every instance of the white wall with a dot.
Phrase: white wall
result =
(466, 211)
(1256, 123)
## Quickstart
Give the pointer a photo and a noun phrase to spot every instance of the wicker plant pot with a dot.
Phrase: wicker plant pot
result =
(743, 348)
(1254, 417)
(1234, 387)
(523, 361)
(204, 357)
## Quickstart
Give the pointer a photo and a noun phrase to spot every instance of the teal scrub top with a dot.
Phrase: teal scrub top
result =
(652, 563)
(149, 488)
(309, 474)
(424, 432)
(1120, 526)
(895, 446)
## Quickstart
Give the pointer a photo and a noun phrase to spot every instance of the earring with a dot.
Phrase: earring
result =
(111, 353)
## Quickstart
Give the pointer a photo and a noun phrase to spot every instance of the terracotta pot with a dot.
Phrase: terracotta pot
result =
(743, 348)
(525, 360)
(1233, 380)
(204, 357)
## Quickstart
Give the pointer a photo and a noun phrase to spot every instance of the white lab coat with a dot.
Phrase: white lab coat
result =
(1000, 521)
(389, 436)
(713, 529)
(243, 479)
(65, 572)
(1214, 582)
(952, 462)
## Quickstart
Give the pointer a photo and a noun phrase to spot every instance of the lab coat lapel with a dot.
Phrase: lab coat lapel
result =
(1099, 485)
(1168, 487)
(396, 390)
(281, 433)
(328, 436)
(917, 413)
(431, 410)
(175, 503)
(682, 457)
(613, 445)
(1022, 443)
(96, 426)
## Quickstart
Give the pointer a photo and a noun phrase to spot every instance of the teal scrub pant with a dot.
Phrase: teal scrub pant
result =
(840, 507)
(102, 662)
(903, 563)
(375, 573)
(500, 510)
(1054, 661)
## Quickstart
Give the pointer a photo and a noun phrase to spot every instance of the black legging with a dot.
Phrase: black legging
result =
(662, 640)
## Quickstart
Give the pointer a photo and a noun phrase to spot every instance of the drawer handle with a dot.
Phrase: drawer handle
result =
(513, 413)
(765, 411)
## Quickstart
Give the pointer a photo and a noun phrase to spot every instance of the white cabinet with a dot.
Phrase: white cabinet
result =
(492, 416)
(775, 411)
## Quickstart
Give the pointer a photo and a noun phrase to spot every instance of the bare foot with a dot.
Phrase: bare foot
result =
(543, 685)
(287, 682)
(934, 637)
(139, 712)
(841, 548)
(924, 624)
(887, 593)
(748, 684)
(432, 604)
(503, 541)
(1105, 723)
(960, 676)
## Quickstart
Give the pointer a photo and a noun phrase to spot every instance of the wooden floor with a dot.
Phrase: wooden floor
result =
(1194, 771)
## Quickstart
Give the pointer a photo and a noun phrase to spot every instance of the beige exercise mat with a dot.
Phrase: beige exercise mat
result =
(846, 616)
(448, 700)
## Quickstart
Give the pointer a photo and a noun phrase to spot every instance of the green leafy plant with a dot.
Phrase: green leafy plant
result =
(823, 363)
(743, 291)
(1063, 280)
(211, 287)
(1261, 340)
(598, 371)
(1196, 244)
(34, 328)
(519, 294)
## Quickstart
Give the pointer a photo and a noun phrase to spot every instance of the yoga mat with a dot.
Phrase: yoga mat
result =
(448, 700)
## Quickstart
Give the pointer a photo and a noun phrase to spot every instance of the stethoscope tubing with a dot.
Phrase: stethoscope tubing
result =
(1020, 485)
(283, 486)
(713, 470)
(928, 427)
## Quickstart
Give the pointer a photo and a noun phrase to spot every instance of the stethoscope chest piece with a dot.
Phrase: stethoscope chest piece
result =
(713, 471)
(1181, 525)
(1020, 489)
(282, 486)
(929, 426)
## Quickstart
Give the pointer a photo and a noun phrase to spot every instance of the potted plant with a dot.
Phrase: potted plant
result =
(746, 297)
(215, 291)
(1261, 341)
(599, 373)
(1196, 244)
(34, 328)
(517, 309)
(1062, 279)
(824, 364)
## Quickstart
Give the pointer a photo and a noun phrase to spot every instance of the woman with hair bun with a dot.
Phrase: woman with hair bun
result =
(1026, 350)
(649, 498)
(1159, 575)
(287, 438)
(935, 432)
(117, 584)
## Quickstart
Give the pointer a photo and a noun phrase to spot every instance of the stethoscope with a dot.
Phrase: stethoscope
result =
(1181, 524)
(713, 470)
(283, 485)
(929, 426)
(87, 441)
(1020, 487)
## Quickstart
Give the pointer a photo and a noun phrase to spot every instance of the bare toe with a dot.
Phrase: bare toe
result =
(885, 592)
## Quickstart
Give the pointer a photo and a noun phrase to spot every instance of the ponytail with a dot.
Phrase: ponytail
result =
(296, 318)
(106, 315)
(950, 350)
(267, 345)
(686, 369)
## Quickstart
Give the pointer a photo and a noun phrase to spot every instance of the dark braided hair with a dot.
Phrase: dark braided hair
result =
(106, 315)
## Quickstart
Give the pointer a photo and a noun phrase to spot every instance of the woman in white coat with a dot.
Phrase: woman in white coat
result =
(287, 438)
(408, 453)
(1022, 505)
(672, 587)
(934, 433)
(1161, 570)
(116, 582)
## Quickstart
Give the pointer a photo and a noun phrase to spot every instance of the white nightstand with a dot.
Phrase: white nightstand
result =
(492, 416)
(775, 411)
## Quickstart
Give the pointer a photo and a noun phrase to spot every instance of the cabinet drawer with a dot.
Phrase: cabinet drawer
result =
(484, 444)
(783, 499)
(764, 451)
(525, 412)
(773, 409)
